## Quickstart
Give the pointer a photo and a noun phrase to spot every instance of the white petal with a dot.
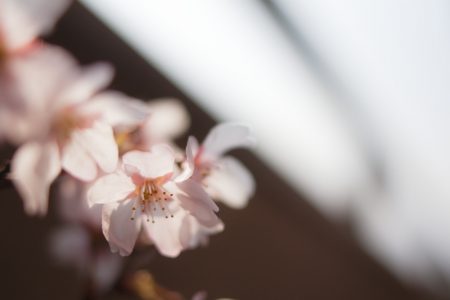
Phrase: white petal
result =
(98, 141)
(22, 21)
(225, 137)
(156, 163)
(165, 233)
(34, 167)
(194, 199)
(77, 162)
(110, 188)
(120, 231)
(168, 120)
(117, 109)
(189, 163)
(231, 183)
(86, 83)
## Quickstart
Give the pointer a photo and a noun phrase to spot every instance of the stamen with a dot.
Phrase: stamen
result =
(133, 213)
(150, 213)
(151, 197)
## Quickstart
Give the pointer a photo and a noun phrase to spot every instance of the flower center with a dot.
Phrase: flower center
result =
(67, 121)
(204, 169)
(153, 199)
(128, 139)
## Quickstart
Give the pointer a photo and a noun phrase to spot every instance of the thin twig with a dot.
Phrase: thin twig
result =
(5, 168)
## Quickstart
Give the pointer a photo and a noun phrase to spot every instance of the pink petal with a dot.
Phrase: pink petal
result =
(88, 81)
(120, 231)
(30, 83)
(169, 119)
(158, 162)
(22, 21)
(165, 233)
(117, 109)
(225, 137)
(231, 183)
(194, 234)
(14, 127)
(110, 188)
(77, 162)
(194, 199)
(189, 163)
(98, 141)
(34, 167)
(72, 203)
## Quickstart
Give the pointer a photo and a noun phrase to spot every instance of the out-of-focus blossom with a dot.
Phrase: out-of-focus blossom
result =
(224, 177)
(169, 119)
(73, 245)
(80, 243)
(144, 193)
(23, 21)
(165, 120)
(201, 295)
(57, 130)
(72, 205)
(70, 245)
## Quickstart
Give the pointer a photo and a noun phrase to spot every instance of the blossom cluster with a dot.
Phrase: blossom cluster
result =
(114, 156)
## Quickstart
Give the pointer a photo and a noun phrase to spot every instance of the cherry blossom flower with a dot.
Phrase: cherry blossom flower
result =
(57, 130)
(23, 21)
(223, 177)
(144, 194)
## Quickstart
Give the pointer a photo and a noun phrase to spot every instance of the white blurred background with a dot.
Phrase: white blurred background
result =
(350, 102)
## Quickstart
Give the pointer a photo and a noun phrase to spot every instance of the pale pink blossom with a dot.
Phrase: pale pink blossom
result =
(73, 208)
(224, 177)
(143, 194)
(57, 129)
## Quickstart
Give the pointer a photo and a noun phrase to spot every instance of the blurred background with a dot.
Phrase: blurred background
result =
(350, 103)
